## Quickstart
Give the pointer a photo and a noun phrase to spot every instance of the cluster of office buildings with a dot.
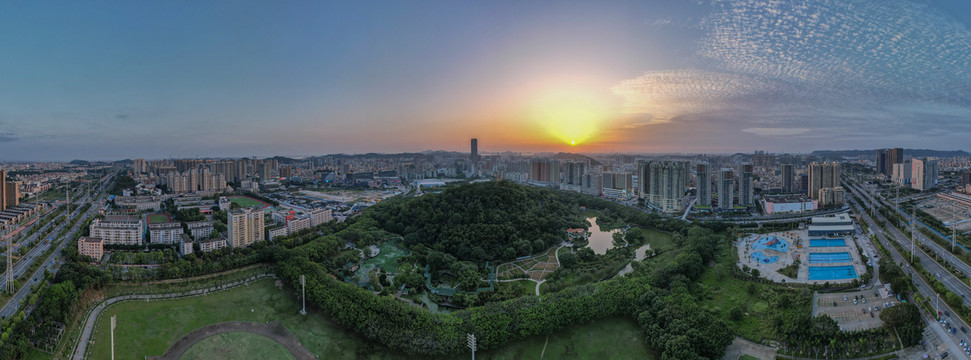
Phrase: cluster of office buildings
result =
(292, 221)
(919, 173)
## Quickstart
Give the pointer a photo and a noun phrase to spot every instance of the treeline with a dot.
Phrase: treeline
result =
(686, 330)
(481, 222)
(56, 304)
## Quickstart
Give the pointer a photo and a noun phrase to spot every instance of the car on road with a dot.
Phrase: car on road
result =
(947, 313)
(964, 330)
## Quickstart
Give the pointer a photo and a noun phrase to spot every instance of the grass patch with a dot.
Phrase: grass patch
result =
(790, 271)
(246, 201)
(747, 357)
(151, 327)
(520, 288)
(720, 292)
(237, 345)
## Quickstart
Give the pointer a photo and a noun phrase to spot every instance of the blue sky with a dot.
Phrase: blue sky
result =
(111, 80)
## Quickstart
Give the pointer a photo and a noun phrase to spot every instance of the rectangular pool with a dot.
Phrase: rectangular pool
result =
(832, 273)
(833, 257)
(826, 242)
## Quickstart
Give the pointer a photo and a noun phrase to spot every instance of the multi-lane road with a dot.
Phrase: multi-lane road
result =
(951, 341)
(49, 264)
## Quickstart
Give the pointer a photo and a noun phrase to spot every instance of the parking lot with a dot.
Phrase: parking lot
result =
(864, 314)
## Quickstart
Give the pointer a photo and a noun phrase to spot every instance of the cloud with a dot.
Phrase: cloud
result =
(8, 137)
(666, 94)
(776, 131)
(661, 22)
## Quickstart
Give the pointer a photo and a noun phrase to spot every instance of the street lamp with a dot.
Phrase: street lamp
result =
(471, 343)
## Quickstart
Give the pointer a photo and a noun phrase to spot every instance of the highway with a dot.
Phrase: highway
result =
(925, 289)
(11, 307)
(928, 261)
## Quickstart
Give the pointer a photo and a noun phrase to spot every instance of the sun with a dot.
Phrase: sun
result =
(571, 116)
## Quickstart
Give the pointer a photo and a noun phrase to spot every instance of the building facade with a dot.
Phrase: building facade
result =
(746, 187)
(118, 230)
(665, 182)
(246, 226)
(91, 246)
(925, 172)
(726, 189)
(821, 176)
(703, 183)
(787, 179)
(164, 233)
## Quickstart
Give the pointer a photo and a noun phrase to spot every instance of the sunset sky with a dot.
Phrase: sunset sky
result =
(154, 79)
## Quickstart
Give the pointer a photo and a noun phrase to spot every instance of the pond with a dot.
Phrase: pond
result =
(600, 241)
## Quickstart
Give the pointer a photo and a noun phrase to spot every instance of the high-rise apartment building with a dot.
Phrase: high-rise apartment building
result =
(746, 188)
(726, 189)
(664, 183)
(894, 156)
(903, 173)
(821, 176)
(139, 166)
(475, 151)
(925, 172)
(831, 196)
(881, 161)
(245, 227)
(965, 180)
(787, 178)
(703, 183)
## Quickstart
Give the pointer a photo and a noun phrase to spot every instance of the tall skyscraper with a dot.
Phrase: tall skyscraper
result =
(787, 178)
(666, 182)
(822, 176)
(925, 174)
(881, 161)
(965, 180)
(703, 181)
(245, 227)
(746, 188)
(3, 187)
(726, 189)
(475, 151)
(894, 156)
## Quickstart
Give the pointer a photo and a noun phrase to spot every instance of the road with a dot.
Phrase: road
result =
(928, 261)
(952, 341)
(11, 307)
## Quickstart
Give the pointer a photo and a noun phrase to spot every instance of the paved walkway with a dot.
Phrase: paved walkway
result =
(80, 351)
(274, 330)
(741, 346)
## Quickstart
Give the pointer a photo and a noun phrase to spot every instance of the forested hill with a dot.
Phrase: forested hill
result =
(480, 222)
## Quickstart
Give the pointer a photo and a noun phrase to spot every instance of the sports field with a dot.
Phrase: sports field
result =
(246, 201)
(237, 345)
(158, 218)
(149, 328)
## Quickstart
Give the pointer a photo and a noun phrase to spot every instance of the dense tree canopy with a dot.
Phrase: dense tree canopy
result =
(482, 222)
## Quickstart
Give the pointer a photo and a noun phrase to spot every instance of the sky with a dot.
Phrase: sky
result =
(158, 79)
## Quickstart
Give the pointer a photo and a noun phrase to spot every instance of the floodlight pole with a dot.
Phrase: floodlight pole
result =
(113, 337)
(303, 291)
(471, 344)
(913, 231)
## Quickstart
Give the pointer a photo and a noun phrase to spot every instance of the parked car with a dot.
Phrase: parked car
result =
(964, 330)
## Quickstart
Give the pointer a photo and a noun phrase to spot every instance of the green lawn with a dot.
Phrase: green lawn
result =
(149, 328)
(747, 357)
(237, 345)
(157, 218)
(522, 287)
(246, 201)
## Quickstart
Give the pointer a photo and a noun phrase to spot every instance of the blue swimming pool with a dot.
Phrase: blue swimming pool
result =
(826, 242)
(833, 257)
(831, 273)
(759, 257)
(771, 243)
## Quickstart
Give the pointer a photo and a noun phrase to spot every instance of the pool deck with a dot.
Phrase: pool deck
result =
(796, 237)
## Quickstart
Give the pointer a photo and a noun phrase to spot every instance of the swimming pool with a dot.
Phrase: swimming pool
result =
(826, 242)
(833, 257)
(771, 243)
(759, 257)
(831, 273)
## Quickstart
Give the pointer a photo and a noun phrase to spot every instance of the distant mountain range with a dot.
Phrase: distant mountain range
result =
(907, 152)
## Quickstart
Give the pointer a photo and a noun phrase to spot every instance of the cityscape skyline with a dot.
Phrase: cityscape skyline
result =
(227, 79)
